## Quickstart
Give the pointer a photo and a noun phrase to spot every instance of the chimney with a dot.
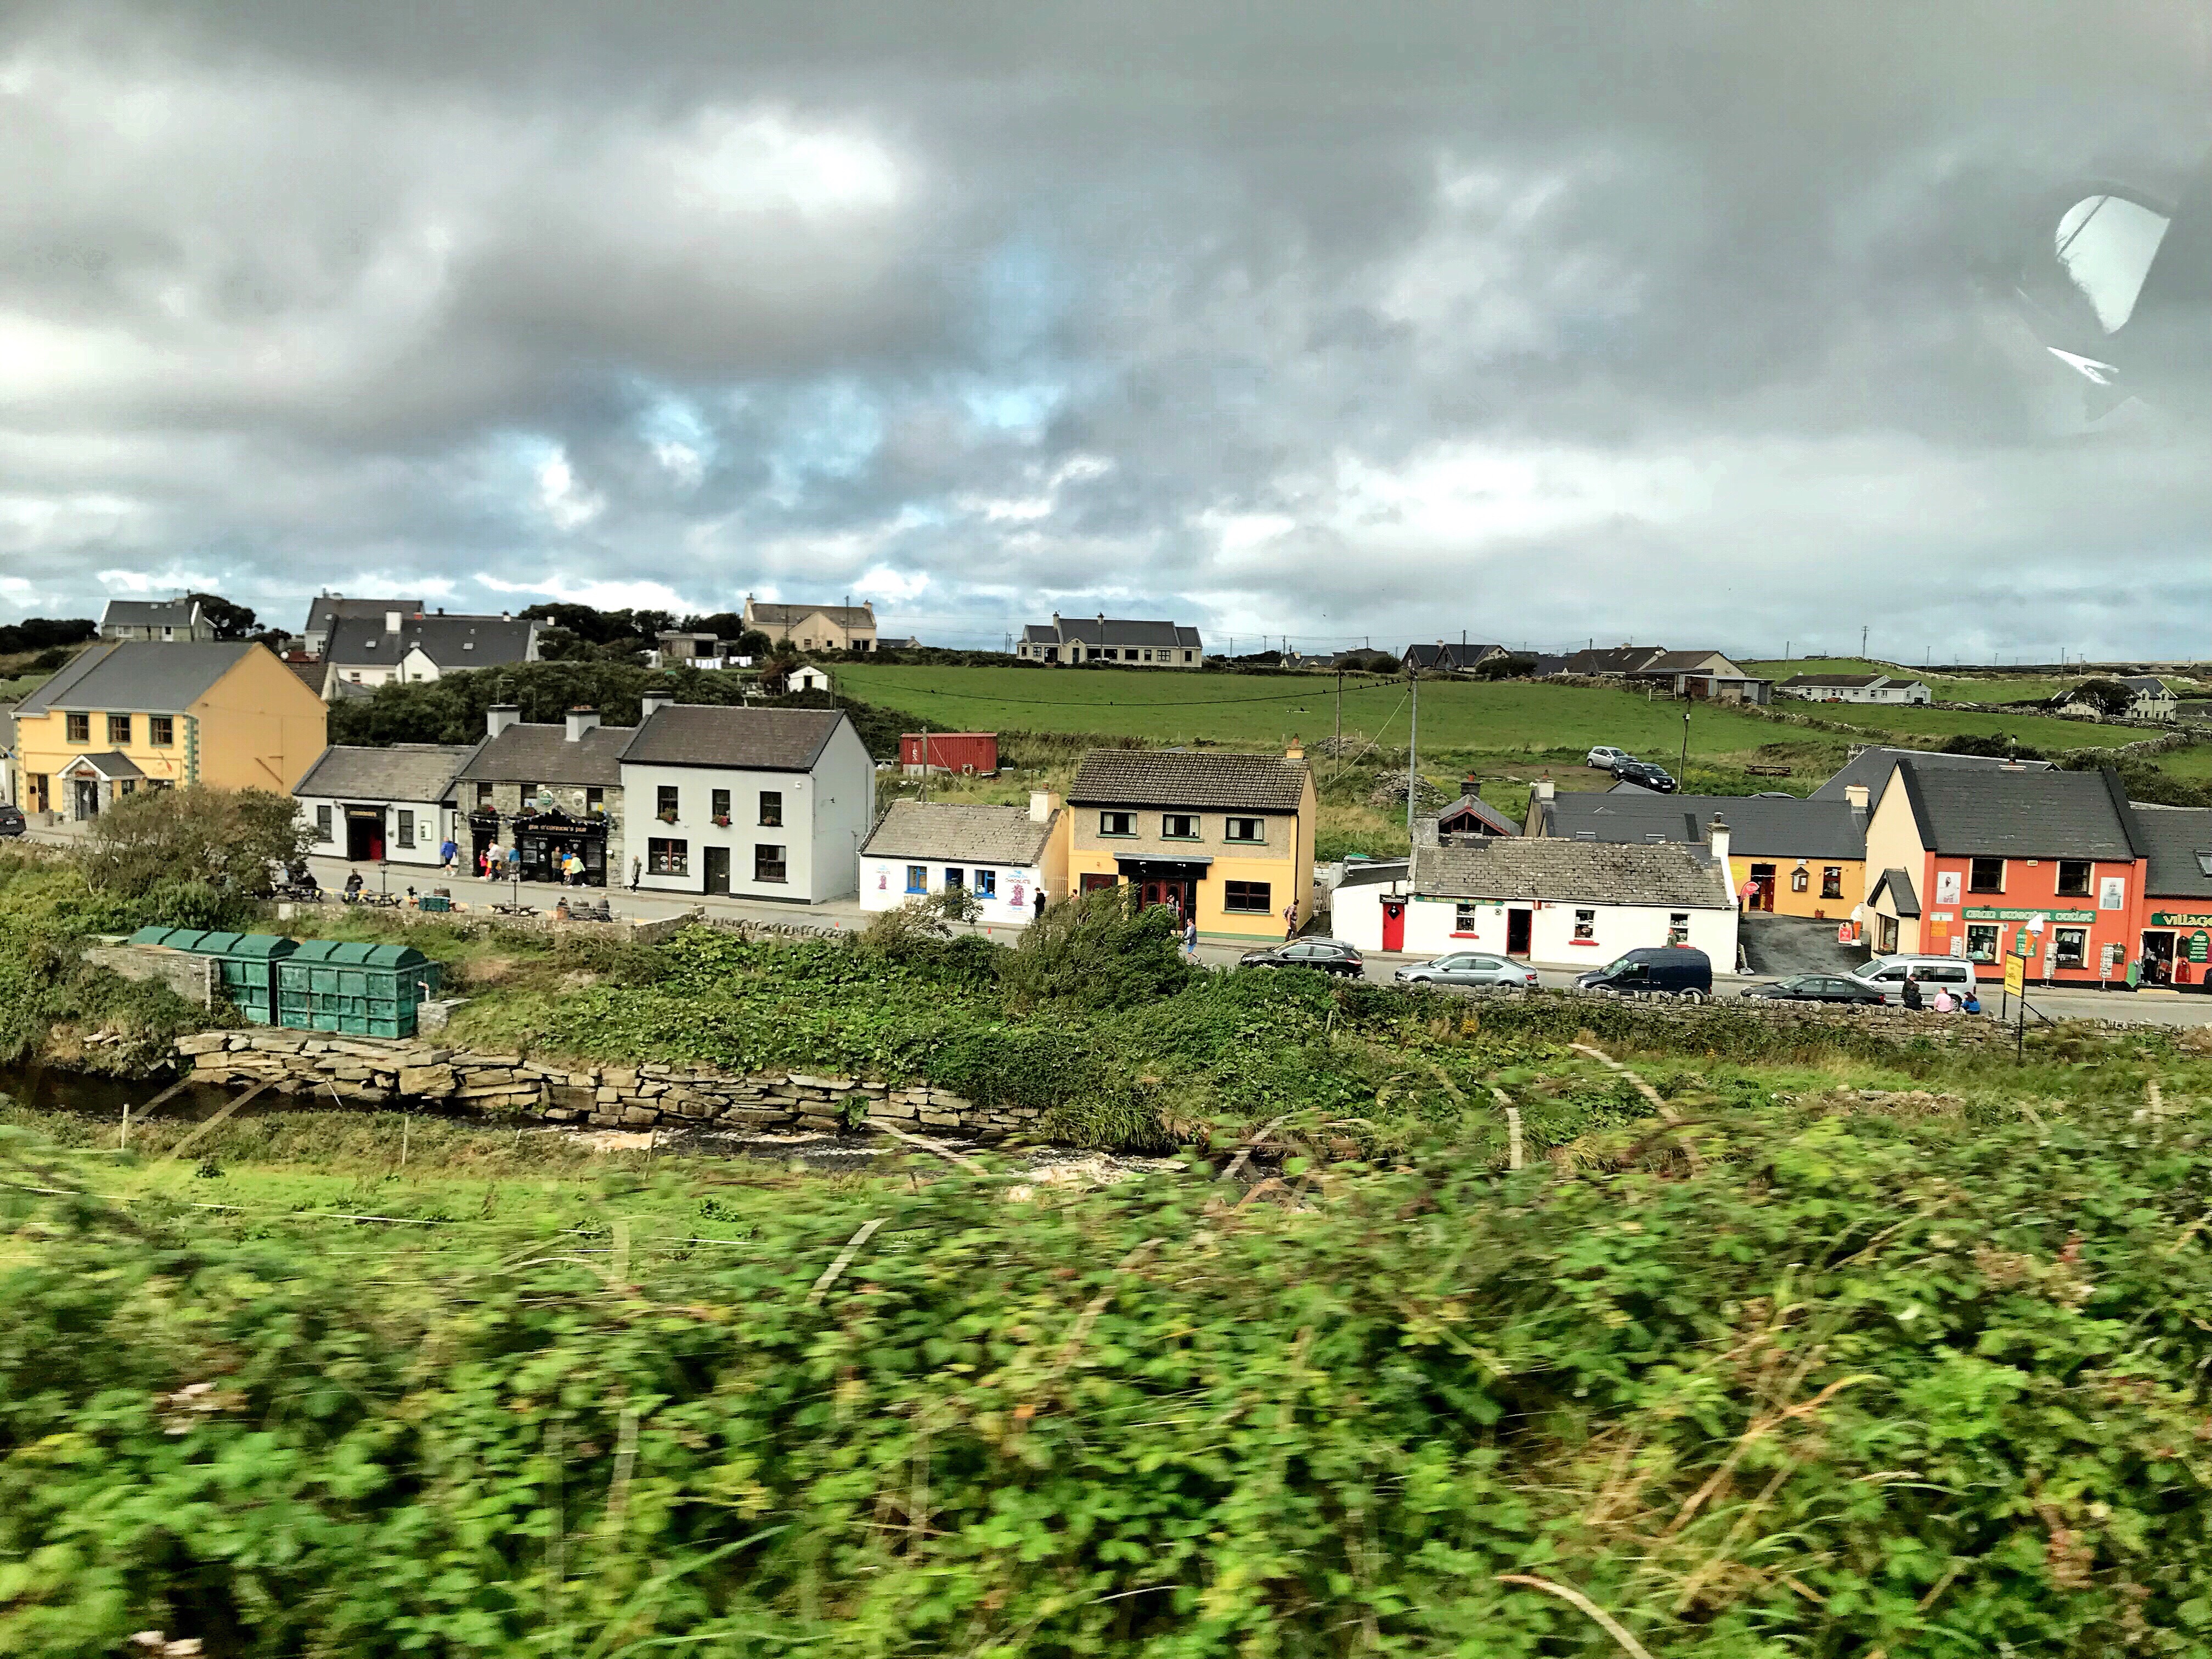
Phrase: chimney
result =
(1858, 795)
(580, 720)
(1716, 836)
(499, 716)
(1042, 803)
(1545, 789)
(391, 621)
(652, 703)
(1295, 751)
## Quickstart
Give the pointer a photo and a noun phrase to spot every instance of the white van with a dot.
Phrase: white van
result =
(1887, 975)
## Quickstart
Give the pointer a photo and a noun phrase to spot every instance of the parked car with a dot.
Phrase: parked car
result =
(1604, 759)
(1330, 956)
(1887, 975)
(1645, 775)
(1468, 968)
(1818, 988)
(1675, 970)
(11, 821)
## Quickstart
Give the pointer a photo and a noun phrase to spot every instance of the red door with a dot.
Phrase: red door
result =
(1394, 924)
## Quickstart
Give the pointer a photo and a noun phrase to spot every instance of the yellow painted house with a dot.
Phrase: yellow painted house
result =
(146, 715)
(1226, 838)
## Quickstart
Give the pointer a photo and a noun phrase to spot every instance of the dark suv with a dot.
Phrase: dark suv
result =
(11, 821)
(1330, 956)
(1645, 775)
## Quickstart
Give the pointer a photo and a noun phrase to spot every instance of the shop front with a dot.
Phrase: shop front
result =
(1173, 883)
(547, 837)
(2177, 949)
(484, 834)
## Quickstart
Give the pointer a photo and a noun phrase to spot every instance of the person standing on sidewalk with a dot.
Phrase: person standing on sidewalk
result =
(1190, 938)
(514, 862)
(636, 868)
(1040, 905)
(1290, 921)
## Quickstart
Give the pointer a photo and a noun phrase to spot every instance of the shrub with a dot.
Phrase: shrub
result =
(1097, 950)
(229, 840)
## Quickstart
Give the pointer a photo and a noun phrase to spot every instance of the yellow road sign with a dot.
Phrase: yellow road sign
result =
(2015, 975)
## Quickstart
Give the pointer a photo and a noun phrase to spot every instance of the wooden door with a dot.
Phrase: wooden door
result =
(1518, 924)
(718, 870)
(1394, 924)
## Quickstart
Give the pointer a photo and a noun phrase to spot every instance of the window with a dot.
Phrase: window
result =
(1585, 924)
(1179, 826)
(160, 730)
(1463, 918)
(955, 878)
(595, 803)
(484, 794)
(1247, 829)
(717, 803)
(1186, 656)
(1832, 881)
(406, 837)
(668, 858)
(986, 883)
(917, 878)
(80, 727)
(322, 823)
(1981, 941)
(768, 863)
(2069, 947)
(1117, 823)
(1985, 876)
(1247, 897)
(664, 803)
(2073, 877)
(771, 809)
(1678, 925)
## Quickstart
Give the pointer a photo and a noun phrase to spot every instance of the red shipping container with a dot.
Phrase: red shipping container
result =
(974, 752)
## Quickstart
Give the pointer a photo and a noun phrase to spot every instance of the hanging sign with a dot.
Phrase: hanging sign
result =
(2200, 946)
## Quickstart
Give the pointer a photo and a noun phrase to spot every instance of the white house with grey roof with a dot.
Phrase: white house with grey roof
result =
(757, 803)
(366, 651)
(396, 805)
(1006, 856)
(1564, 904)
(328, 609)
(1828, 687)
(165, 621)
(1123, 641)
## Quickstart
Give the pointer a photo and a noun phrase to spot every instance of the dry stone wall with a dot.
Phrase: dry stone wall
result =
(373, 1069)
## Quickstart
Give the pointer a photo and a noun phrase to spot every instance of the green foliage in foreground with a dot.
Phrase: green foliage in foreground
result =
(1851, 1380)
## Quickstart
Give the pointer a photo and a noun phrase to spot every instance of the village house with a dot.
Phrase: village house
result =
(366, 651)
(1870, 769)
(1553, 903)
(1111, 638)
(141, 714)
(2175, 948)
(1227, 839)
(550, 791)
(327, 608)
(397, 805)
(1853, 687)
(166, 620)
(1471, 815)
(1449, 658)
(814, 627)
(1796, 858)
(1004, 856)
(759, 803)
(1960, 863)
(1707, 675)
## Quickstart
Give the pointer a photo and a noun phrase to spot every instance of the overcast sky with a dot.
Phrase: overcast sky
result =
(1682, 322)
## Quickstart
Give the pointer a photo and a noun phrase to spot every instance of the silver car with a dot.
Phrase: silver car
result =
(1468, 967)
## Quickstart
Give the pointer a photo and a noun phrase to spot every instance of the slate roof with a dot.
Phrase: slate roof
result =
(948, 829)
(1373, 874)
(1846, 681)
(1873, 767)
(1450, 656)
(405, 771)
(1691, 662)
(769, 617)
(1898, 885)
(543, 754)
(752, 740)
(135, 676)
(1500, 824)
(1613, 659)
(1758, 828)
(2147, 683)
(327, 608)
(2081, 815)
(1157, 777)
(113, 763)
(2179, 841)
(149, 613)
(1117, 631)
(449, 641)
(1580, 871)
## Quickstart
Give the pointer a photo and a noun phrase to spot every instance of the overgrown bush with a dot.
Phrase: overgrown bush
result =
(193, 851)
(1097, 950)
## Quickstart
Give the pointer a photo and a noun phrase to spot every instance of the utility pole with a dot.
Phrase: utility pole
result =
(1413, 753)
(1340, 713)
(1862, 638)
(1686, 739)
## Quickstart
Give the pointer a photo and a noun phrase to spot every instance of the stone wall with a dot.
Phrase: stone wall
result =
(373, 1069)
(191, 977)
(483, 921)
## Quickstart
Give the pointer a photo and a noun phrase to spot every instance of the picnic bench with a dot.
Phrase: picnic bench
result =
(1768, 771)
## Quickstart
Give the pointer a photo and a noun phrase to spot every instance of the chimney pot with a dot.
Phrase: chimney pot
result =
(1546, 789)
(1858, 795)
(1295, 751)
(391, 620)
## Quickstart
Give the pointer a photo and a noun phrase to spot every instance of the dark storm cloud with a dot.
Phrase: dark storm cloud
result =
(1675, 320)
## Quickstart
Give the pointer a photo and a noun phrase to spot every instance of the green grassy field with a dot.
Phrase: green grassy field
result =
(1457, 718)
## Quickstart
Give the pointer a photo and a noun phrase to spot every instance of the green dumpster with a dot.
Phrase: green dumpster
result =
(245, 962)
(362, 990)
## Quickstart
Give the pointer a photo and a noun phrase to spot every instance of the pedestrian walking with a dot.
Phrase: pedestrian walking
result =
(448, 851)
(636, 868)
(514, 862)
(484, 860)
(573, 867)
(1190, 938)
(1040, 905)
(1290, 921)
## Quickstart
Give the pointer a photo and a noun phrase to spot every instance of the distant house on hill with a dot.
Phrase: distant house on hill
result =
(814, 627)
(327, 609)
(166, 621)
(1854, 688)
(366, 651)
(1449, 656)
(1122, 640)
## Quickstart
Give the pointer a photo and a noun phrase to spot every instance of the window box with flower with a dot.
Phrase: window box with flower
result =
(667, 814)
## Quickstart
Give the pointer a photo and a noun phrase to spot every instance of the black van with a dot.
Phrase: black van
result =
(1675, 970)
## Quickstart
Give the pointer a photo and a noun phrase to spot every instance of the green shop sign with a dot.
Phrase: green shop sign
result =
(2181, 919)
(1983, 912)
(2200, 946)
